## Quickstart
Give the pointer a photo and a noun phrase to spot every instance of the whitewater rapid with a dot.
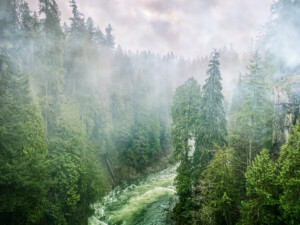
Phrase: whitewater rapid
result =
(148, 201)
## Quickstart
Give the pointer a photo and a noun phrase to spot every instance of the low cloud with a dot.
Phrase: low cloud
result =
(189, 28)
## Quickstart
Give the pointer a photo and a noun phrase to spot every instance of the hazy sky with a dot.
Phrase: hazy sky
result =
(187, 27)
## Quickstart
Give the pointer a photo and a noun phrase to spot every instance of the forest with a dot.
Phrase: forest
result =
(80, 116)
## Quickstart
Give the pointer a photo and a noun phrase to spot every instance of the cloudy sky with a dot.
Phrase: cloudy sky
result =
(186, 27)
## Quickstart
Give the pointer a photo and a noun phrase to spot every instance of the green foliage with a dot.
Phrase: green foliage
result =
(145, 143)
(74, 168)
(185, 109)
(96, 104)
(109, 38)
(23, 173)
(289, 178)
(217, 187)
(252, 112)
(211, 130)
(182, 210)
(261, 206)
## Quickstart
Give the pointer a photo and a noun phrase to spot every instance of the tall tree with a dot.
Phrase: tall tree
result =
(109, 38)
(219, 197)
(185, 110)
(289, 178)
(261, 205)
(75, 51)
(49, 72)
(9, 19)
(211, 131)
(253, 130)
(23, 174)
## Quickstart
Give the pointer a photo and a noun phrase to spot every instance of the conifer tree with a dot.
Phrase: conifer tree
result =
(218, 200)
(185, 110)
(90, 28)
(212, 130)
(75, 51)
(48, 67)
(23, 174)
(261, 205)
(26, 20)
(77, 21)
(289, 178)
(109, 38)
(99, 38)
(253, 129)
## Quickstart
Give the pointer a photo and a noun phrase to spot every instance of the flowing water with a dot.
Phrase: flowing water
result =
(148, 201)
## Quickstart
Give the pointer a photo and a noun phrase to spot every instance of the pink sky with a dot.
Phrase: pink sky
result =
(187, 27)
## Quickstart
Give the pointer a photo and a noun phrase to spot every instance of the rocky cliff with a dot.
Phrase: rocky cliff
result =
(287, 106)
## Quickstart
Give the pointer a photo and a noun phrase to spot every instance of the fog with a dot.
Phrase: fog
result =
(187, 28)
(94, 94)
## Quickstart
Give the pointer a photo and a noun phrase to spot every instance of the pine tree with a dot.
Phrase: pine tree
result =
(109, 38)
(185, 110)
(23, 174)
(26, 19)
(76, 51)
(99, 38)
(52, 26)
(48, 70)
(90, 28)
(289, 178)
(77, 21)
(74, 175)
(9, 19)
(211, 131)
(219, 198)
(261, 205)
(253, 130)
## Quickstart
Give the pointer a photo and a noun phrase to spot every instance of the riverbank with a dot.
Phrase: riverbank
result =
(117, 174)
(144, 201)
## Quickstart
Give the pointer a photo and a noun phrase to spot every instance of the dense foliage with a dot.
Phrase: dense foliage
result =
(185, 110)
(242, 178)
(79, 115)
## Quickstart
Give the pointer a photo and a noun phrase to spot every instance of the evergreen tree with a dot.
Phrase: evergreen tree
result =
(99, 38)
(109, 38)
(211, 131)
(26, 19)
(9, 19)
(289, 178)
(48, 70)
(77, 21)
(23, 174)
(185, 110)
(261, 205)
(253, 130)
(219, 198)
(74, 176)
(77, 51)
(90, 28)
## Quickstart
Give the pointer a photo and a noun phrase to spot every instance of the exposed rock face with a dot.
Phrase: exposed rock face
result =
(287, 107)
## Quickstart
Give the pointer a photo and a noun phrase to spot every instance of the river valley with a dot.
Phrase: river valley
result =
(148, 201)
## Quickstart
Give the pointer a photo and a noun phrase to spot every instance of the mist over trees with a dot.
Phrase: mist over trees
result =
(239, 178)
(79, 115)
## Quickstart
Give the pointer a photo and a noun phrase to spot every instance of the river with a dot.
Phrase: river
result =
(148, 201)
